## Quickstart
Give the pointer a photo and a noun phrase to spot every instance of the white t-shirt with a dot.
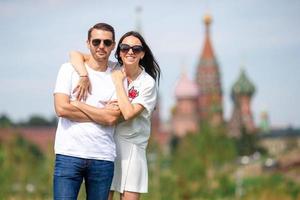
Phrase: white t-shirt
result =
(85, 139)
(140, 91)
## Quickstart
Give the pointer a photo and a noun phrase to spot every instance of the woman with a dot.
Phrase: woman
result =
(131, 136)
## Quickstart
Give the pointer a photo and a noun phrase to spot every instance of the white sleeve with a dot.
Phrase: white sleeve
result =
(147, 96)
(64, 80)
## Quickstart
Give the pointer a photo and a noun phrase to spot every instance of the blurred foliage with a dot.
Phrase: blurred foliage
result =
(198, 167)
(247, 143)
(37, 120)
(5, 121)
(33, 121)
(201, 166)
(25, 171)
(274, 187)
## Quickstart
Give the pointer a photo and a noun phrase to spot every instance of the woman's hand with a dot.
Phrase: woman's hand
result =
(83, 88)
(118, 76)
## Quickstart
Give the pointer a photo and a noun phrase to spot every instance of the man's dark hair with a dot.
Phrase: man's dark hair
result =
(104, 27)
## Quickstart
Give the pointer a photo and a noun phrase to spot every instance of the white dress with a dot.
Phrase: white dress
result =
(131, 137)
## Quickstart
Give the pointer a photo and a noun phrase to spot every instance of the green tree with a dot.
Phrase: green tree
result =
(200, 163)
(247, 144)
(5, 121)
(37, 120)
(53, 121)
(199, 167)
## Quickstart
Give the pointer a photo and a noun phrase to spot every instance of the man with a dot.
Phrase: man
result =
(84, 145)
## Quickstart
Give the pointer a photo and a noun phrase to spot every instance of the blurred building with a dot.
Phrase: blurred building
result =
(264, 124)
(200, 100)
(241, 94)
(280, 140)
(158, 132)
(138, 23)
(210, 106)
(185, 116)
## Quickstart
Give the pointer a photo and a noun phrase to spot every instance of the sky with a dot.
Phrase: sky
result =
(260, 36)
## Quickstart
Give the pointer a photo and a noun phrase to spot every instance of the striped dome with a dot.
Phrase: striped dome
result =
(243, 86)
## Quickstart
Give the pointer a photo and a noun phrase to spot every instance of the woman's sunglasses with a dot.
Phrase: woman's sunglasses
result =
(97, 42)
(124, 48)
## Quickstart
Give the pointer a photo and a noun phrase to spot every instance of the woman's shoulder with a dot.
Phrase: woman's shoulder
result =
(146, 78)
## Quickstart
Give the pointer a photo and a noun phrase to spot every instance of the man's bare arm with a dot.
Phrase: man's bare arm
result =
(63, 108)
(102, 116)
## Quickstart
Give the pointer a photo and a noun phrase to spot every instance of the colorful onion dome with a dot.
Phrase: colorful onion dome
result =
(243, 86)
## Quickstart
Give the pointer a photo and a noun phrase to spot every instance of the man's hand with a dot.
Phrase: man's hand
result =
(103, 116)
(112, 105)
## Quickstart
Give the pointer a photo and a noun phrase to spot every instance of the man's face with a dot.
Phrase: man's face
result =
(101, 44)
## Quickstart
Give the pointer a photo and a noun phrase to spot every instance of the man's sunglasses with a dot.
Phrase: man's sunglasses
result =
(97, 42)
(124, 48)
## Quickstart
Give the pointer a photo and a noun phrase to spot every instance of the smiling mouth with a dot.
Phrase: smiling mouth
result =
(101, 52)
(130, 56)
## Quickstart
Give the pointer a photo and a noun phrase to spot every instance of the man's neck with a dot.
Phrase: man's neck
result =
(97, 65)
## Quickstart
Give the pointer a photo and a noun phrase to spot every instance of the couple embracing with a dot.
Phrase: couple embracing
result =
(104, 111)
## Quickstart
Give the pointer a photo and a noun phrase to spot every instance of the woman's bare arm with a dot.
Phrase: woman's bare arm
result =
(78, 59)
(128, 110)
(84, 87)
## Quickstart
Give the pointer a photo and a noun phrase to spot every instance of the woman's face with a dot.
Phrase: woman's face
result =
(131, 51)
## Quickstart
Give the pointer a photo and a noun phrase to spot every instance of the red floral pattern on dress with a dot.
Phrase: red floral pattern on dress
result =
(132, 93)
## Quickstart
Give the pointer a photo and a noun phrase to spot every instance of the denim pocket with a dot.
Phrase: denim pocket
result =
(67, 166)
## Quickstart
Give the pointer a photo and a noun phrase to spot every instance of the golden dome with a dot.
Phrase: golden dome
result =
(207, 19)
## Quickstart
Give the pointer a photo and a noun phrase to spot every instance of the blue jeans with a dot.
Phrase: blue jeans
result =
(69, 172)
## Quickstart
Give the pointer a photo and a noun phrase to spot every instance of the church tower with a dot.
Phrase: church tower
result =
(208, 81)
(241, 93)
(185, 114)
(264, 124)
(138, 23)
